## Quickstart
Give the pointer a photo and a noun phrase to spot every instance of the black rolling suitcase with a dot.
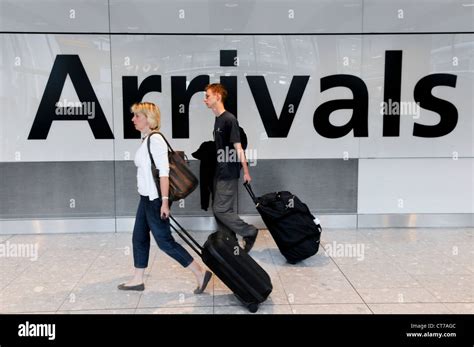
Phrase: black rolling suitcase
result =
(290, 222)
(222, 254)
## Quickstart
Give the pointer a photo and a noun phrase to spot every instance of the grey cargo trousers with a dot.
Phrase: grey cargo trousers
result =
(225, 194)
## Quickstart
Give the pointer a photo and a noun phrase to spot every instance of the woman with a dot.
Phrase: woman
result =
(153, 211)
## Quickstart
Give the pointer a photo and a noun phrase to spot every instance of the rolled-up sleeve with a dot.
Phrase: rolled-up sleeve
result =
(159, 150)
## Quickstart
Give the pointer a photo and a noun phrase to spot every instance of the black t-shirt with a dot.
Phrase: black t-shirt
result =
(226, 133)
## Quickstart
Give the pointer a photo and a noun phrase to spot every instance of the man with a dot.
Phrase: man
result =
(230, 157)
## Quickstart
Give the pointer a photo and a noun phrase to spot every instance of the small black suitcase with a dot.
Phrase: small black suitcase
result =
(290, 223)
(223, 255)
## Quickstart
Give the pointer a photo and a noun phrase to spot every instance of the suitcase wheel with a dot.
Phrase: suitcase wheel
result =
(253, 307)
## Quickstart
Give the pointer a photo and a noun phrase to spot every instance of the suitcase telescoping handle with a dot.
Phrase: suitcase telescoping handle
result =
(249, 189)
(186, 236)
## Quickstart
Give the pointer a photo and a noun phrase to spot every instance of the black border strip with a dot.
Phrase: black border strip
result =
(392, 330)
(239, 34)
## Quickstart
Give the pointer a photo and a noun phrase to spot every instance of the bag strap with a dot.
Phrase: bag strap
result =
(149, 150)
(170, 149)
(151, 158)
(164, 138)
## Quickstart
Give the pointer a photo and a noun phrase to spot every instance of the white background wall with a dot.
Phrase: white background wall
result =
(398, 175)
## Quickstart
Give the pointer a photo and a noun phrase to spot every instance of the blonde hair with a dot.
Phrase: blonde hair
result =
(150, 111)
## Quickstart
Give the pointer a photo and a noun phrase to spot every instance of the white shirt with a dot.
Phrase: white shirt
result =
(145, 183)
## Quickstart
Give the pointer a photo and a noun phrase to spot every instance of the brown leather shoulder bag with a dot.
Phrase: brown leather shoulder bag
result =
(182, 181)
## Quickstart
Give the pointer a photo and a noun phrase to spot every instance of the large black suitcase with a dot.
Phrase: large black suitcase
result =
(223, 255)
(290, 223)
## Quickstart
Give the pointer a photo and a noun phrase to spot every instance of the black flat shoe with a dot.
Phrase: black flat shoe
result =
(139, 287)
(207, 278)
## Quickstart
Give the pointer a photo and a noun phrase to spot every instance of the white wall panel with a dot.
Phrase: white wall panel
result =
(423, 55)
(54, 16)
(418, 16)
(404, 186)
(26, 64)
(395, 180)
(247, 16)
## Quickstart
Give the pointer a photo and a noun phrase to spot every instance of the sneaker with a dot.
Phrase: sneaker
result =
(249, 241)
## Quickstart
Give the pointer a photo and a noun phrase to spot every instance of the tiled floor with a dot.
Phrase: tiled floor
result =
(357, 272)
